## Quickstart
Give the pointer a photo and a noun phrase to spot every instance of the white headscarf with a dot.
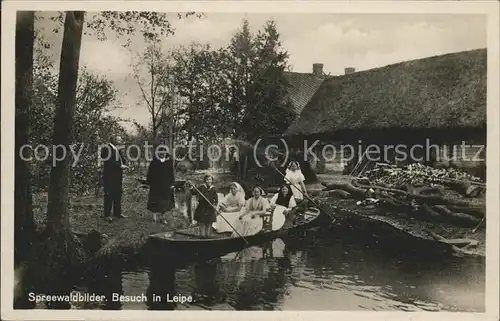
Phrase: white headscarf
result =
(288, 170)
(240, 193)
(239, 189)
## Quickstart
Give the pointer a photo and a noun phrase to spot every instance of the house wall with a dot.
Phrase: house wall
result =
(460, 147)
(466, 156)
(335, 159)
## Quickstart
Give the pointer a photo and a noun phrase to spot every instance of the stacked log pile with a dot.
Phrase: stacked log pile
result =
(426, 193)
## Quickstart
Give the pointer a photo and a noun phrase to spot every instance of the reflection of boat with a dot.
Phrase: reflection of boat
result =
(274, 249)
(187, 242)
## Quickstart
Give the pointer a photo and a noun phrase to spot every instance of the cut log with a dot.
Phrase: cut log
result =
(429, 190)
(339, 193)
(456, 215)
(450, 217)
(473, 243)
(442, 209)
(445, 210)
(430, 212)
(357, 193)
(431, 199)
(473, 191)
(396, 203)
(318, 193)
(400, 187)
(465, 188)
(444, 240)
(477, 211)
(462, 242)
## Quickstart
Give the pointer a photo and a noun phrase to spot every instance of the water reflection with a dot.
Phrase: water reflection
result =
(104, 280)
(260, 278)
(161, 284)
(319, 272)
(205, 283)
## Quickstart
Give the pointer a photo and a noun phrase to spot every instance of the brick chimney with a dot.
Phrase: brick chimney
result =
(349, 70)
(318, 70)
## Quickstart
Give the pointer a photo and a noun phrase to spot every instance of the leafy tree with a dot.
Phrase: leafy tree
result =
(95, 99)
(152, 26)
(201, 83)
(240, 57)
(237, 91)
(156, 85)
(267, 112)
(140, 138)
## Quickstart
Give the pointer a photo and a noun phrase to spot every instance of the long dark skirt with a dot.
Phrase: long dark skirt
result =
(161, 200)
(205, 214)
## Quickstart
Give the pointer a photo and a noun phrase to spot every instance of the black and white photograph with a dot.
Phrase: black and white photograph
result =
(235, 156)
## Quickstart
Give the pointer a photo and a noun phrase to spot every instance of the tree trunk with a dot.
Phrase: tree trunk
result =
(24, 224)
(60, 243)
(23, 219)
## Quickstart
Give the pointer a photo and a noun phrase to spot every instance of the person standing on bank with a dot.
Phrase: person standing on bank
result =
(205, 213)
(161, 179)
(114, 164)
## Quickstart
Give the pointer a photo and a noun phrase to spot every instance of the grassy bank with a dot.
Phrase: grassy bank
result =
(122, 237)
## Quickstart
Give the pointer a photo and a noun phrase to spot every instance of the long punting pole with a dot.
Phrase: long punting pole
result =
(219, 213)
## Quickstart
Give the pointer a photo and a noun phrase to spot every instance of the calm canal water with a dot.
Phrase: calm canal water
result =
(318, 272)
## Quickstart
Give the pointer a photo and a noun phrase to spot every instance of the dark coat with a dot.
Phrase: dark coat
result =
(161, 182)
(112, 172)
(205, 213)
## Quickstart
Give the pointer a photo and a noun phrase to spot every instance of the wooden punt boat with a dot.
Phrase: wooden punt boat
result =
(188, 244)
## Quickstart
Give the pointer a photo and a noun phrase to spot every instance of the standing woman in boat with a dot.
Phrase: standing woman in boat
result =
(160, 179)
(296, 179)
(205, 212)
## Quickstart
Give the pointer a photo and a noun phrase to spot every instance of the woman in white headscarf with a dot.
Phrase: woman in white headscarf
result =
(230, 208)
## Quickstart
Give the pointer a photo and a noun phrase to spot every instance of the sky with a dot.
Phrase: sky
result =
(361, 41)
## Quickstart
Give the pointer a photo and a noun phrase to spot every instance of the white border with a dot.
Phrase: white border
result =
(489, 8)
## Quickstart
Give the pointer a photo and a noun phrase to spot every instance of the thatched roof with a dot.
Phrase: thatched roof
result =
(447, 91)
(302, 88)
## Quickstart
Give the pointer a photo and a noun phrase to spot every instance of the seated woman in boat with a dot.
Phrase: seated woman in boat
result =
(250, 219)
(205, 212)
(284, 198)
(296, 179)
(230, 207)
(234, 200)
